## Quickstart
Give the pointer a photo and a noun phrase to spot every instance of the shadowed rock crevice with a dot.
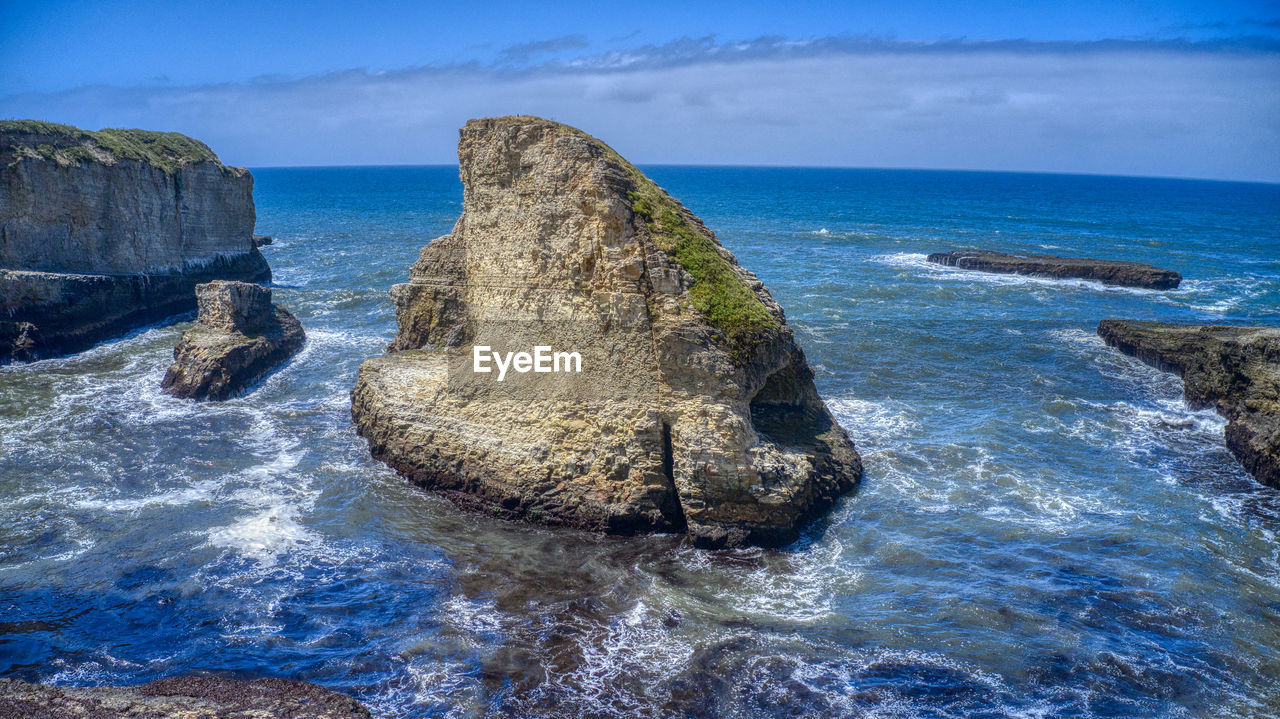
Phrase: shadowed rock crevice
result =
(563, 243)
(672, 509)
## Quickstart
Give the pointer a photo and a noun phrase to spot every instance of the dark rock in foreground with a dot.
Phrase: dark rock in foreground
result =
(205, 697)
(239, 337)
(694, 411)
(104, 231)
(1235, 370)
(1108, 272)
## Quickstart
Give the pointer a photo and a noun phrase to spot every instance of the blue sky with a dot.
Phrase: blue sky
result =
(1151, 88)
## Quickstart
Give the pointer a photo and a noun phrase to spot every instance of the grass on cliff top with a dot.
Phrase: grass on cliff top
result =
(64, 144)
(719, 293)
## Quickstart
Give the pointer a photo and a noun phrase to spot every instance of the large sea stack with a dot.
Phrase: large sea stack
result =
(1235, 370)
(239, 336)
(694, 410)
(104, 231)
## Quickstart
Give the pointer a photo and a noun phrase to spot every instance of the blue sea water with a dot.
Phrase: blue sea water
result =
(1045, 528)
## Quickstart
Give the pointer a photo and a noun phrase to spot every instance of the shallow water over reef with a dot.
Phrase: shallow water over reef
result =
(1045, 529)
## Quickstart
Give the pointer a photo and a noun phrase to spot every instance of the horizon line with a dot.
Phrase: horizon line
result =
(1174, 178)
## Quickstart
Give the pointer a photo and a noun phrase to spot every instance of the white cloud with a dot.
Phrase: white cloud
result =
(1151, 109)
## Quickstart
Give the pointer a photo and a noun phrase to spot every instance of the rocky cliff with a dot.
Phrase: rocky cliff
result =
(239, 337)
(1108, 272)
(694, 410)
(1235, 370)
(103, 231)
(191, 697)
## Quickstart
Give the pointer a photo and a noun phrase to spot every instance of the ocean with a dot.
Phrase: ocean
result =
(1044, 530)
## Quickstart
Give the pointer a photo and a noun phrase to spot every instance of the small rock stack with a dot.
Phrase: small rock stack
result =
(239, 337)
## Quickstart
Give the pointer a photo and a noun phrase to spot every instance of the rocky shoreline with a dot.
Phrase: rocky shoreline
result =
(1108, 272)
(1235, 370)
(101, 232)
(196, 697)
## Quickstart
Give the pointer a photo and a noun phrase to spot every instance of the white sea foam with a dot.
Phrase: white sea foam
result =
(872, 422)
(266, 535)
(198, 492)
(794, 586)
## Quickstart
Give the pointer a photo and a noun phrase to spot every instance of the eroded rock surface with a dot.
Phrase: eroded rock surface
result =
(1108, 272)
(191, 697)
(1235, 370)
(239, 337)
(694, 411)
(104, 231)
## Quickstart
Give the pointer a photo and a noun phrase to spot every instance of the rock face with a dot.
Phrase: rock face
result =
(239, 337)
(104, 231)
(1235, 370)
(694, 409)
(203, 697)
(1108, 272)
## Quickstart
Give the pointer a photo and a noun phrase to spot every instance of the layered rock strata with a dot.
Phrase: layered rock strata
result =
(104, 231)
(239, 337)
(1235, 370)
(206, 697)
(693, 411)
(1108, 272)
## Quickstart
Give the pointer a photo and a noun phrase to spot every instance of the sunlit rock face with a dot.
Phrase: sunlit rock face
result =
(694, 409)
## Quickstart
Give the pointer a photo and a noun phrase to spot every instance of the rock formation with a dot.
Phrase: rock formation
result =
(1108, 272)
(239, 337)
(206, 697)
(1235, 370)
(104, 231)
(694, 409)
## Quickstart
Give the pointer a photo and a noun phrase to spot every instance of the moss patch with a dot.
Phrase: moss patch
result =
(718, 292)
(64, 144)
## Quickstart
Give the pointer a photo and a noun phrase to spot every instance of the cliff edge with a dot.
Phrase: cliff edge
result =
(692, 408)
(104, 231)
(1235, 370)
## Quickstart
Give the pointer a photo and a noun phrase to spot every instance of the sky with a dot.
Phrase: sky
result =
(1178, 89)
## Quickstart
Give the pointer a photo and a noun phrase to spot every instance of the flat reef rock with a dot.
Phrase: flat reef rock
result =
(694, 410)
(104, 231)
(239, 337)
(193, 697)
(1108, 272)
(1235, 370)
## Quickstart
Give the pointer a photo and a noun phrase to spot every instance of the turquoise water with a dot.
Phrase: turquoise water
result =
(1044, 530)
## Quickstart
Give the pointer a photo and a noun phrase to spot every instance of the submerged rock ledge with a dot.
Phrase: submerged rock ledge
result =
(1108, 272)
(206, 697)
(695, 410)
(1235, 370)
(239, 337)
(101, 232)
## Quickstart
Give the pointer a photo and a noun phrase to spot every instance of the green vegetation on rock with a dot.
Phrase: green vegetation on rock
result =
(65, 144)
(718, 292)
